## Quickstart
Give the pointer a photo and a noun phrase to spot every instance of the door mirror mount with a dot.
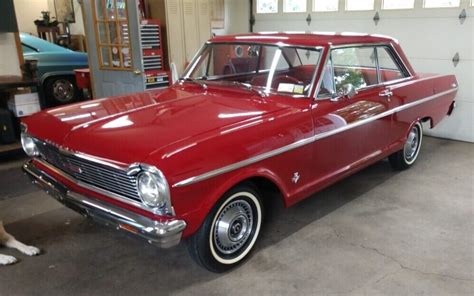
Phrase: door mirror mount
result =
(347, 91)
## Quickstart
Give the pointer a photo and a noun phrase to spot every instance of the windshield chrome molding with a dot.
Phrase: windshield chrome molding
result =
(304, 142)
(320, 49)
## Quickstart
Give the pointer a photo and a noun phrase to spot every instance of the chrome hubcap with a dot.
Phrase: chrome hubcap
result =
(411, 146)
(63, 90)
(233, 227)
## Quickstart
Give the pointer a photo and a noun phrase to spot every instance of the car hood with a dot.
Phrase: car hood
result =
(130, 128)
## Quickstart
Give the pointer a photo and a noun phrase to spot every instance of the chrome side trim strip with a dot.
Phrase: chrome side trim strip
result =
(304, 142)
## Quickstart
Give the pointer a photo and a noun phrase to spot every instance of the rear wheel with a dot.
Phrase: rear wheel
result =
(406, 157)
(61, 90)
(230, 230)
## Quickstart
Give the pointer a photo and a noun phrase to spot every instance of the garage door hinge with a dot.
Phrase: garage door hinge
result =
(462, 16)
(376, 18)
(456, 59)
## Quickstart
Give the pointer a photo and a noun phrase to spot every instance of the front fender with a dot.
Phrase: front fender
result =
(45, 76)
(207, 193)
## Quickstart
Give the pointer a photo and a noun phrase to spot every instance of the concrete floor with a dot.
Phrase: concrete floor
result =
(378, 232)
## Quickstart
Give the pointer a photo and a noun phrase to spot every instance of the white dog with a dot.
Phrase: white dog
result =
(10, 242)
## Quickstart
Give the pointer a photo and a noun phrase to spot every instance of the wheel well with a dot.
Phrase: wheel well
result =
(49, 78)
(427, 119)
(270, 192)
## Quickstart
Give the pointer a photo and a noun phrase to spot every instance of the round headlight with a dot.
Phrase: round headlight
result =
(29, 145)
(151, 190)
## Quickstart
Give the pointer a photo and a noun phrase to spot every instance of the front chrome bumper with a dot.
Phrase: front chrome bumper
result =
(163, 234)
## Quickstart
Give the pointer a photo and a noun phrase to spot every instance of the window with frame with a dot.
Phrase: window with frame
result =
(267, 6)
(349, 65)
(354, 65)
(398, 4)
(112, 34)
(294, 5)
(359, 66)
(389, 68)
(441, 3)
(358, 5)
(325, 5)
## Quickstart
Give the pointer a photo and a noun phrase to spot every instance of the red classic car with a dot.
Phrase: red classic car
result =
(252, 114)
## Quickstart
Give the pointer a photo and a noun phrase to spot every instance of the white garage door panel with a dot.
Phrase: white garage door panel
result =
(432, 39)
(357, 25)
(464, 74)
(429, 37)
(458, 126)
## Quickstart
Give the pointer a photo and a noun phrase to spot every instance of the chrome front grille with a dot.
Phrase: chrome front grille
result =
(95, 174)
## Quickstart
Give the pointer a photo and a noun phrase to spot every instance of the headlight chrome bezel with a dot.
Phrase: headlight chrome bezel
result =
(163, 205)
(29, 146)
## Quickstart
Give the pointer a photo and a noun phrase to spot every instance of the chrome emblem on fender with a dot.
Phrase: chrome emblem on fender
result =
(296, 177)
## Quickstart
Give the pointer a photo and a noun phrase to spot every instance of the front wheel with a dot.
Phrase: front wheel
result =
(230, 230)
(406, 157)
(61, 90)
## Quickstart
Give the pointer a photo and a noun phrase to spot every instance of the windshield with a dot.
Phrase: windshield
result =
(269, 68)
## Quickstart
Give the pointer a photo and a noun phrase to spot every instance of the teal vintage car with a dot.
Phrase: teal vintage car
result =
(56, 67)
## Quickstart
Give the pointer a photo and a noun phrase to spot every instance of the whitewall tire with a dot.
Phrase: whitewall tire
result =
(406, 157)
(230, 231)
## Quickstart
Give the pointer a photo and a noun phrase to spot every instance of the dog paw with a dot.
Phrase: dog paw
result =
(30, 250)
(6, 260)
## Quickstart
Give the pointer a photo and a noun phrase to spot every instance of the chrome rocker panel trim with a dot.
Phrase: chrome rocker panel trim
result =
(162, 234)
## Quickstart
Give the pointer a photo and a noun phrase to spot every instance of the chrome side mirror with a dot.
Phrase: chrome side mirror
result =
(347, 91)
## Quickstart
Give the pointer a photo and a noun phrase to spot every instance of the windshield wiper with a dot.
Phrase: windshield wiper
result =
(249, 87)
(195, 81)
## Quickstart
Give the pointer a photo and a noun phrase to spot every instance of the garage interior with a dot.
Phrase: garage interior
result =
(377, 232)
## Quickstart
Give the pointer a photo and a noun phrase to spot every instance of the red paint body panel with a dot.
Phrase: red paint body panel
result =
(187, 131)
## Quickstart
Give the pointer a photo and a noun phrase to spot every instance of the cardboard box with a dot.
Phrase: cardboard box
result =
(24, 104)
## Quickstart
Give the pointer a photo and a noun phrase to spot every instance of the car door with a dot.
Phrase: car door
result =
(350, 129)
(397, 91)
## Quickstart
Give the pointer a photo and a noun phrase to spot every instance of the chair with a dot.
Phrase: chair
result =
(49, 33)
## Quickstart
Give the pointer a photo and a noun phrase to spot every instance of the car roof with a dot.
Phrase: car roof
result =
(40, 44)
(306, 38)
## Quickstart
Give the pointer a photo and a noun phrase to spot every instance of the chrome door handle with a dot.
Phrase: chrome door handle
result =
(386, 93)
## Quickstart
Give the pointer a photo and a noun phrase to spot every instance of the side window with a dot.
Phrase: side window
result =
(354, 65)
(327, 81)
(389, 69)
